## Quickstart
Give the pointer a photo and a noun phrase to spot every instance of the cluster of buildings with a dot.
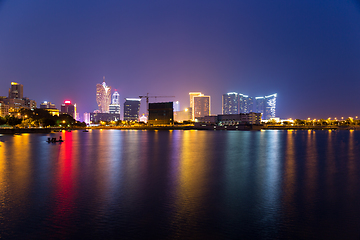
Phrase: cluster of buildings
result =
(236, 108)
(235, 103)
(15, 100)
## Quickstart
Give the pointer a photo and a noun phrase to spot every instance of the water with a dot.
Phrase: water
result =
(115, 184)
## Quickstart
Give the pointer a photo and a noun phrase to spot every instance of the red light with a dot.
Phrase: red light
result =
(67, 101)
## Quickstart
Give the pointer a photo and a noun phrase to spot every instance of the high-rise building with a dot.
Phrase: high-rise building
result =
(245, 103)
(4, 109)
(103, 96)
(161, 113)
(16, 91)
(270, 108)
(131, 109)
(230, 103)
(68, 108)
(266, 106)
(201, 106)
(114, 107)
(192, 95)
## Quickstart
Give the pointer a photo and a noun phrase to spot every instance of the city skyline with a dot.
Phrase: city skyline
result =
(306, 51)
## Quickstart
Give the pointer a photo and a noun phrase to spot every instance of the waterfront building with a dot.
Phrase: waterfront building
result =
(114, 107)
(131, 109)
(182, 116)
(68, 108)
(105, 117)
(231, 119)
(201, 106)
(266, 106)
(4, 109)
(161, 113)
(87, 118)
(245, 103)
(16, 101)
(16, 91)
(192, 95)
(230, 103)
(176, 106)
(103, 96)
(270, 109)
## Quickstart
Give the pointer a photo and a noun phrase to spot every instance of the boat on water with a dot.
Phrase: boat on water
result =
(86, 130)
(54, 140)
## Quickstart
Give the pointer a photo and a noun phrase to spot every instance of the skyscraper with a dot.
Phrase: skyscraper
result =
(270, 108)
(131, 109)
(230, 103)
(245, 103)
(103, 96)
(114, 107)
(192, 95)
(266, 105)
(201, 106)
(16, 91)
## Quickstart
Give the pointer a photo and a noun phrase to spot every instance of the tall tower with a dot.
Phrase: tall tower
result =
(114, 107)
(270, 107)
(103, 96)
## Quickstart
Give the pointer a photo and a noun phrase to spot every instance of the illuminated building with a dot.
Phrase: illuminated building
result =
(270, 109)
(103, 96)
(182, 116)
(176, 106)
(192, 95)
(201, 106)
(16, 91)
(114, 107)
(15, 101)
(87, 118)
(161, 113)
(47, 105)
(266, 106)
(105, 117)
(230, 103)
(115, 98)
(131, 109)
(4, 109)
(245, 103)
(68, 108)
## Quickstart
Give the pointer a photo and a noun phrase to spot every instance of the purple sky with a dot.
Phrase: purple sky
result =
(307, 51)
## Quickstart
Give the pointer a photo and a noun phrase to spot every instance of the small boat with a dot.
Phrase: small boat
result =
(53, 140)
(86, 130)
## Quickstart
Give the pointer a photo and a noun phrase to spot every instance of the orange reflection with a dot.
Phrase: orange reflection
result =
(192, 175)
(311, 168)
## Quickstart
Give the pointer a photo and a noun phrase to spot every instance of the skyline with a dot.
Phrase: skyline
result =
(307, 52)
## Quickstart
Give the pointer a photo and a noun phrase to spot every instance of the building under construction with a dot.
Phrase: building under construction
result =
(161, 113)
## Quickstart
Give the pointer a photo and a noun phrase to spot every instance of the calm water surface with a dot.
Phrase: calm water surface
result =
(181, 185)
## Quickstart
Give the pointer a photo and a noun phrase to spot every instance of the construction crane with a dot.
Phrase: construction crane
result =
(147, 99)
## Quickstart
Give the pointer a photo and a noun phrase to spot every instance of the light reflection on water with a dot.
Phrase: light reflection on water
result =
(181, 184)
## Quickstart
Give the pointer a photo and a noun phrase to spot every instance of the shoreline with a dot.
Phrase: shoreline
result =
(168, 128)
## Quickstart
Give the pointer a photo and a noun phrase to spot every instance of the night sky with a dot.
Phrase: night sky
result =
(307, 51)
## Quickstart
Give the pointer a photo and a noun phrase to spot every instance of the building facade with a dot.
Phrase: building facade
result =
(68, 108)
(16, 91)
(266, 106)
(103, 96)
(245, 103)
(161, 113)
(192, 95)
(131, 109)
(230, 103)
(201, 106)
